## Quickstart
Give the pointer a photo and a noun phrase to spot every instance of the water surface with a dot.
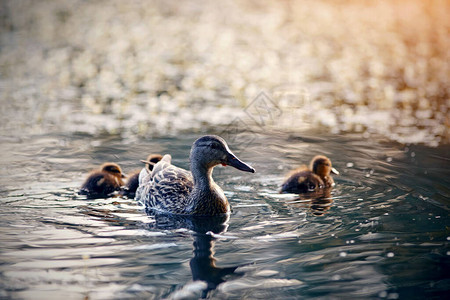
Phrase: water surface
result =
(382, 232)
(85, 82)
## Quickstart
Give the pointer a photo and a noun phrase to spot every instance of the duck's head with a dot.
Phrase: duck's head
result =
(113, 169)
(321, 165)
(151, 160)
(212, 150)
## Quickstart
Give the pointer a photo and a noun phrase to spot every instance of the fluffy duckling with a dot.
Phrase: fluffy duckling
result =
(304, 179)
(170, 189)
(103, 182)
(132, 184)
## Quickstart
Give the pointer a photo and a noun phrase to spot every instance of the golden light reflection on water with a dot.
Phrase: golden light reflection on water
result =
(163, 67)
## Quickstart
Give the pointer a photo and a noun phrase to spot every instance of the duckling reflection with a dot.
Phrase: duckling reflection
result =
(321, 206)
(103, 182)
(318, 203)
(312, 179)
(129, 190)
(203, 264)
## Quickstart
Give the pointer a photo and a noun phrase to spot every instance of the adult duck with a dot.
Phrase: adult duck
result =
(304, 179)
(129, 190)
(170, 189)
(101, 183)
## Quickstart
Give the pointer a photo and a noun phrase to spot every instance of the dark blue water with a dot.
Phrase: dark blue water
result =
(382, 232)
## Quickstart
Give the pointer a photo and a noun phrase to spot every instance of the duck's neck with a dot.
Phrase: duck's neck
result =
(202, 176)
(207, 197)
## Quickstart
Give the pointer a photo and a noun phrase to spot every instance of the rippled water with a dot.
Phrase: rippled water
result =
(382, 232)
(84, 82)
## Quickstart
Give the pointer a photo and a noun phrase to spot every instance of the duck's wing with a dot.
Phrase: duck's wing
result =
(166, 188)
(165, 162)
(145, 176)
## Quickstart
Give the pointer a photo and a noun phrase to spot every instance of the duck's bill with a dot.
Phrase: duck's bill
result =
(334, 171)
(123, 175)
(239, 164)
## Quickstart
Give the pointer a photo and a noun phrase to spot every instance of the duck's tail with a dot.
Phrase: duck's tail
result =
(162, 164)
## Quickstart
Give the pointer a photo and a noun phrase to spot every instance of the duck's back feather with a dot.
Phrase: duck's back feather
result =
(166, 188)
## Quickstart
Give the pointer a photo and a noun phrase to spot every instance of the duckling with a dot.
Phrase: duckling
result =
(304, 179)
(170, 189)
(132, 184)
(103, 182)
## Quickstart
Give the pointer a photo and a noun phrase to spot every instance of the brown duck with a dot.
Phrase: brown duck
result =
(304, 179)
(170, 189)
(103, 182)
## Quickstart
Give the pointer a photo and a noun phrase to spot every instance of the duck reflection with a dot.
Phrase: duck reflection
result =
(203, 264)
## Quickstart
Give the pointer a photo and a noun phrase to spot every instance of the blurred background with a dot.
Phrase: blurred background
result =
(364, 82)
(157, 68)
